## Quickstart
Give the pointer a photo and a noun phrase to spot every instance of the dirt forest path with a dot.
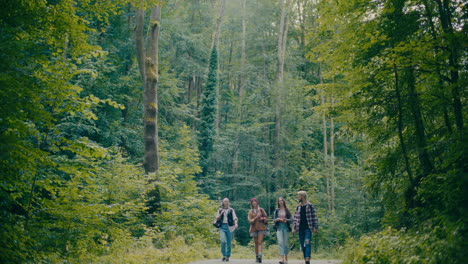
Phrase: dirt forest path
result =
(265, 261)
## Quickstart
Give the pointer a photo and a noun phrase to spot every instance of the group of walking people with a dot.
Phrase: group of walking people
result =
(304, 221)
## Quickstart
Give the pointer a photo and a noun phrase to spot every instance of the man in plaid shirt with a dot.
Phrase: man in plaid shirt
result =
(306, 223)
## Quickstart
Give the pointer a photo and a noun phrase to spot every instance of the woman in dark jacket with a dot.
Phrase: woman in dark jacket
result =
(283, 220)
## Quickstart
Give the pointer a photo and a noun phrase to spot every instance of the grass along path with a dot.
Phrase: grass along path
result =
(265, 261)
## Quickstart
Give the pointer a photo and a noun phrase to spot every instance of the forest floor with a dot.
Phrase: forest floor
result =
(265, 261)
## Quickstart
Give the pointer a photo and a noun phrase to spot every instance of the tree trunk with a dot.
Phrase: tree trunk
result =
(301, 8)
(151, 161)
(149, 71)
(282, 38)
(332, 164)
(139, 41)
(439, 62)
(215, 43)
(148, 64)
(325, 147)
(243, 54)
(415, 107)
(453, 47)
(235, 164)
(401, 127)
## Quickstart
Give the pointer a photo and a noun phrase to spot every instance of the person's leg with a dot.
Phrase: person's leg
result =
(286, 244)
(307, 244)
(260, 245)
(256, 245)
(279, 236)
(223, 238)
(301, 241)
(228, 243)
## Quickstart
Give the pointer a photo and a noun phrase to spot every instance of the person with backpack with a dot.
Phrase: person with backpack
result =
(305, 223)
(226, 221)
(258, 227)
(282, 219)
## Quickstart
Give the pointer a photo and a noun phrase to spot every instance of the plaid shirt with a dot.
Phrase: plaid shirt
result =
(311, 216)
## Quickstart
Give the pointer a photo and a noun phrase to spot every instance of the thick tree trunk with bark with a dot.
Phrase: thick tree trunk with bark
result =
(148, 62)
(149, 70)
(151, 162)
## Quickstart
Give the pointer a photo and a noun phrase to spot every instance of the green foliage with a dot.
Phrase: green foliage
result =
(393, 84)
(208, 112)
(390, 73)
(184, 212)
(429, 245)
(177, 252)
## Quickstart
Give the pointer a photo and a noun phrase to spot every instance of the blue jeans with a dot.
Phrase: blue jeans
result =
(305, 237)
(226, 237)
(282, 234)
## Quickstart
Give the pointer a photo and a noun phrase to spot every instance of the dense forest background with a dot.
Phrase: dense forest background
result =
(124, 123)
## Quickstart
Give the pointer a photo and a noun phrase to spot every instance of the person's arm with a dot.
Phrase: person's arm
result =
(296, 219)
(263, 215)
(276, 215)
(234, 216)
(219, 214)
(314, 219)
(250, 218)
(289, 219)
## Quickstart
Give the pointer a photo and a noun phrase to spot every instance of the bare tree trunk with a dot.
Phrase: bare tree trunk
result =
(325, 152)
(149, 70)
(139, 41)
(148, 64)
(235, 164)
(282, 39)
(325, 146)
(215, 43)
(332, 162)
(243, 55)
(301, 7)
(151, 162)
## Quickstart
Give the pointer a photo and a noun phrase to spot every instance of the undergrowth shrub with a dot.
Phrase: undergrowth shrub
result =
(430, 244)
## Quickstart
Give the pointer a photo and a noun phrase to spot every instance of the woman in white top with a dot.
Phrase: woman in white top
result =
(228, 218)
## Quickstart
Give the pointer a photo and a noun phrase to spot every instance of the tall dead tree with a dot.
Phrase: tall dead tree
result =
(148, 61)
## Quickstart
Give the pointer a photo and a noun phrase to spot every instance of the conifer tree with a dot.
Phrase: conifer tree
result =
(208, 113)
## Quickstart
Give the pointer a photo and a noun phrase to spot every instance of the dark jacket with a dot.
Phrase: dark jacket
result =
(288, 216)
(230, 216)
